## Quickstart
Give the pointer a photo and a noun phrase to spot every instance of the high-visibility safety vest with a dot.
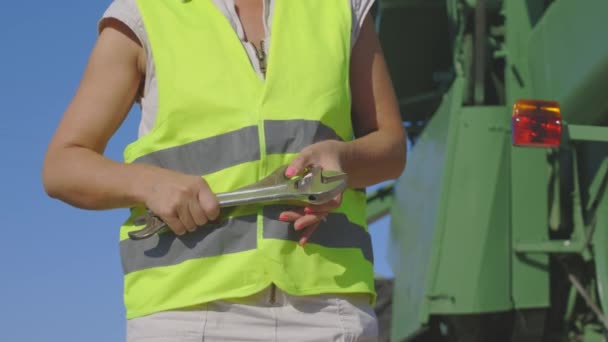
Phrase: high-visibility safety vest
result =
(216, 118)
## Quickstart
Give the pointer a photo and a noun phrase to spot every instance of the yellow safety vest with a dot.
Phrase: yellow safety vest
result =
(216, 118)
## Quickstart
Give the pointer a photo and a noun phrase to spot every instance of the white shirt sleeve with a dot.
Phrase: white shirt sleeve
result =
(360, 10)
(126, 11)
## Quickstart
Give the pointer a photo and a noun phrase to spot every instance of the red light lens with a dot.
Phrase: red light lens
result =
(536, 123)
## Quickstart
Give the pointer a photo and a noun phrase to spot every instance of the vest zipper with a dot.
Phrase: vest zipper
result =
(261, 54)
(262, 167)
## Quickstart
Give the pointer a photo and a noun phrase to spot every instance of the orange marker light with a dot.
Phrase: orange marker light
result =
(536, 123)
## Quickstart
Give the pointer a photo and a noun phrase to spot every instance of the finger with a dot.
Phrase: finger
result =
(176, 225)
(210, 205)
(183, 213)
(325, 207)
(308, 220)
(198, 214)
(298, 164)
(290, 216)
(307, 233)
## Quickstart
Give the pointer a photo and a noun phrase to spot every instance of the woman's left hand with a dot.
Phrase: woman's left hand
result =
(327, 155)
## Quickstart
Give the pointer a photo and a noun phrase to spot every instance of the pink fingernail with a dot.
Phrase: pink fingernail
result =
(308, 211)
(283, 218)
(290, 172)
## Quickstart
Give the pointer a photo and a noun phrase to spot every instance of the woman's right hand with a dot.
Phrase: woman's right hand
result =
(184, 202)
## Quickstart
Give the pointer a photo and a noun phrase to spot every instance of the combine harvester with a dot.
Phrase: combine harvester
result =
(500, 221)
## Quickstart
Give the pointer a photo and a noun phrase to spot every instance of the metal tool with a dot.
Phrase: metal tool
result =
(314, 186)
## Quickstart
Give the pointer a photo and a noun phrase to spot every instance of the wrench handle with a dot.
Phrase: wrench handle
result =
(226, 200)
(252, 196)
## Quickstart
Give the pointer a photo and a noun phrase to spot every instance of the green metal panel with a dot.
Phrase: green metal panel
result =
(520, 18)
(588, 133)
(600, 241)
(471, 214)
(529, 220)
(416, 217)
(529, 167)
(450, 217)
(568, 57)
(473, 273)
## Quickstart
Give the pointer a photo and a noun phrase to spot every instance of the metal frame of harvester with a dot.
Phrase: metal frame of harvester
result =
(491, 241)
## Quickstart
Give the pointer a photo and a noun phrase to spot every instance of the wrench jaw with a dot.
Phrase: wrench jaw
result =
(325, 196)
(319, 187)
(153, 225)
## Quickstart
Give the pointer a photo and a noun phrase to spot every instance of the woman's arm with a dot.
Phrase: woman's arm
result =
(75, 170)
(378, 152)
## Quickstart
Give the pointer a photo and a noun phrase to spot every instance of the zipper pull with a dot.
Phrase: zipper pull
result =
(261, 54)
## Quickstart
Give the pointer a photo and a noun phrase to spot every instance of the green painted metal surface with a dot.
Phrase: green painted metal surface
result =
(475, 220)
(600, 252)
(451, 217)
(586, 133)
(530, 170)
(553, 54)
(529, 221)
(473, 273)
(416, 217)
(568, 58)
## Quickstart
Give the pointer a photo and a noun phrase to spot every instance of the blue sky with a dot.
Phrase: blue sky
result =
(61, 276)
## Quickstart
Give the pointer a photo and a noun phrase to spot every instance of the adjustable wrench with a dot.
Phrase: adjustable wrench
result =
(315, 186)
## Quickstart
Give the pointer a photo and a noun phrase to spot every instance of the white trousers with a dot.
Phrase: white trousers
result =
(270, 315)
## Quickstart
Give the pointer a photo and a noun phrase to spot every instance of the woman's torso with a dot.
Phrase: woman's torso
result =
(248, 26)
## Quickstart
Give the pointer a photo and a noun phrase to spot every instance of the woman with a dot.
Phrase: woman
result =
(304, 84)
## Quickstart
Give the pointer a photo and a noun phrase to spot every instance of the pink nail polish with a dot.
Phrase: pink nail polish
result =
(290, 172)
(283, 218)
(308, 211)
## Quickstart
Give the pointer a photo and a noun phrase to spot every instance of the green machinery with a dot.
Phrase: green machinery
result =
(490, 241)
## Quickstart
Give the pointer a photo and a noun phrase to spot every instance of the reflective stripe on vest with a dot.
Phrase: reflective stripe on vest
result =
(217, 119)
(201, 157)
